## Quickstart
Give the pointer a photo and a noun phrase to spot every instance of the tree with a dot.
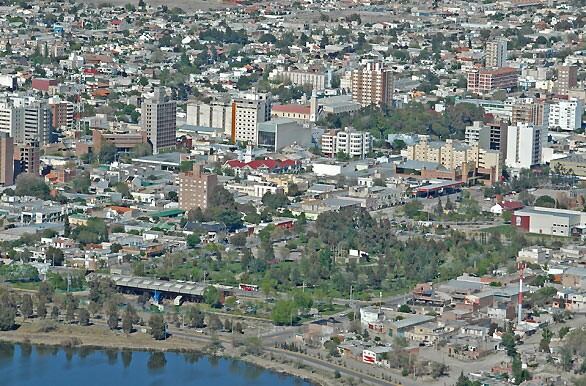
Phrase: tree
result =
(239, 328)
(284, 312)
(275, 201)
(26, 308)
(157, 326)
(194, 318)
(546, 336)
(214, 323)
(228, 325)
(55, 256)
(519, 373)
(42, 309)
(45, 292)
(465, 381)
(127, 320)
(211, 295)
(7, 317)
(70, 307)
(112, 313)
(55, 313)
(193, 240)
(28, 184)
(107, 153)
(545, 202)
(405, 308)
(509, 343)
(83, 317)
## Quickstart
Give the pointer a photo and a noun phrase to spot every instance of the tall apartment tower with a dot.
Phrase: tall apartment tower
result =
(196, 188)
(248, 111)
(6, 159)
(524, 145)
(11, 118)
(216, 114)
(373, 85)
(495, 54)
(37, 124)
(159, 120)
(28, 155)
(567, 79)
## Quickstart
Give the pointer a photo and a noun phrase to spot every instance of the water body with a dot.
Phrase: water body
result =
(26, 365)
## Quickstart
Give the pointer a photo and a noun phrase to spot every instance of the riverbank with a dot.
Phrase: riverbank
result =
(99, 337)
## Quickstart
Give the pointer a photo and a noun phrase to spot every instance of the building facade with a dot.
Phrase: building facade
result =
(495, 55)
(247, 112)
(372, 85)
(524, 146)
(348, 141)
(159, 120)
(485, 80)
(6, 159)
(196, 188)
(566, 115)
(567, 79)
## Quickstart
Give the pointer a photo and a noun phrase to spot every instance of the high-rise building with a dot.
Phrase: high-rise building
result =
(372, 85)
(486, 80)
(566, 115)
(248, 110)
(62, 114)
(28, 157)
(6, 159)
(316, 78)
(11, 118)
(530, 111)
(216, 114)
(348, 141)
(495, 55)
(524, 145)
(159, 120)
(196, 188)
(37, 124)
(567, 79)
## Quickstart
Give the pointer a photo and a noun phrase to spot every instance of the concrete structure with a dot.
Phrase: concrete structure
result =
(158, 119)
(124, 142)
(495, 55)
(216, 114)
(524, 146)
(348, 141)
(566, 115)
(62, 114)
(279, 133)
(530, 111)
(6, 159)
(485, 80)
(533, 255)
(28, 158)
(317, 79)
(372, 85)
(567, 79)
(247, 112)
(37, 124)
(196, 188)
(550, 221)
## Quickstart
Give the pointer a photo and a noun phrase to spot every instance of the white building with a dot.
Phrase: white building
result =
(524, 146)
(248, 111)
(566, 114)
(216, 114)
(496, 53)
(348, 141)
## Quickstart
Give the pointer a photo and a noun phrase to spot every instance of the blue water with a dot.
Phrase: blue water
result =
(25, 365)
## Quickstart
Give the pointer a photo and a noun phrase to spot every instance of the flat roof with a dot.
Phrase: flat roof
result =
(439, 185)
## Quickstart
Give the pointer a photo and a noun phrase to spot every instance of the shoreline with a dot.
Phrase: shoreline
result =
(69, 336)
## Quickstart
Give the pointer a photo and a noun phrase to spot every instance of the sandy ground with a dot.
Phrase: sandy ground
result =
(101, 337)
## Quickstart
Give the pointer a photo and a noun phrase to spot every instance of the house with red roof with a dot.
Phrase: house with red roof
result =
(506, 206)
(263, 166)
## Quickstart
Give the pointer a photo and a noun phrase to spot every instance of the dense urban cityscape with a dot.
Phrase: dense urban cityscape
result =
(349, 192)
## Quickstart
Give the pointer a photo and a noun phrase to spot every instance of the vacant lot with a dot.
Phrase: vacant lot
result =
(187, 5)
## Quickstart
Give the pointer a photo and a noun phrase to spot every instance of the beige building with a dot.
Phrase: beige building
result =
(6, 159)
(317, 78)
(216, 114)
(530, 111)
(196, 188)
(485, 80)
(495, 55)
(348, 141)
(247, 112)
(372, 85)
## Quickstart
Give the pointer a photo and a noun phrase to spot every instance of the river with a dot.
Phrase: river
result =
(27, 365)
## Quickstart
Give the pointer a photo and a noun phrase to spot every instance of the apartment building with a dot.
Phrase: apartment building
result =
(495, 54)
(28, 158)
(196, 188)
(11, 118)
(6, 159)
(566, 115)
(567, 79)
(348, 141)
(524, 146)
(530, 111)
(372, 85)
(248, 110)
(37, 124)
(62, 114)
(159, 120)
(316, 78)
(124, 142)
(485, 80)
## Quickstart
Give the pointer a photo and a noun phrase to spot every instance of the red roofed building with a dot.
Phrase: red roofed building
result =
(264, 166)
(506, 206)
(292, 111)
